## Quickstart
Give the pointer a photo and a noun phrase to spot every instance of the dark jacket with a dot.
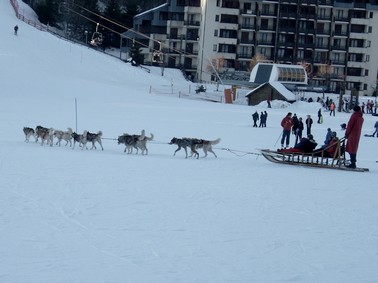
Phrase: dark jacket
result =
(306, 145)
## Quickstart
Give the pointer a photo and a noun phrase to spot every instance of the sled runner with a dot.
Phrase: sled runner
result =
(319, 158)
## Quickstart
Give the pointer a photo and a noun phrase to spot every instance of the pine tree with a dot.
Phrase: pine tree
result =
(136, 55)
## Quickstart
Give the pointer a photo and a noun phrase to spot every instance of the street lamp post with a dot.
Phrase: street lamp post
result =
(86, 37)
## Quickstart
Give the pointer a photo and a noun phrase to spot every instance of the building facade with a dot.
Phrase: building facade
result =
(336, 40)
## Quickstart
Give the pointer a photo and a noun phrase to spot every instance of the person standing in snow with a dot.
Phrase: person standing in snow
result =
(265, 118)
(261, 119)
(320, 116)
(353, 134)
(295, 124)
(376, 129)
(332, 109)
(286, 124)
(309, 124)
(255, 117)
(299, 131)
(15, 29)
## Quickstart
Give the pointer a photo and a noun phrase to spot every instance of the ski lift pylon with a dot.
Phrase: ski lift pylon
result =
(96, 37)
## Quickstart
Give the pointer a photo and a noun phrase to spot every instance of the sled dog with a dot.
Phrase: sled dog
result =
(206, 145)
(93, 138)
(45, 134)
(135, 141)
(77, 138)
(61, 135)
(185, 143)
(28, 132)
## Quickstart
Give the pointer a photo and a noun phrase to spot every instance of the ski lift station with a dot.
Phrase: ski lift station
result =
(275, 81)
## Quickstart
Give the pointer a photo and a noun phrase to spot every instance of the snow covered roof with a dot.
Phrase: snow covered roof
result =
(284, 73)
(283, 90)
(279, 88)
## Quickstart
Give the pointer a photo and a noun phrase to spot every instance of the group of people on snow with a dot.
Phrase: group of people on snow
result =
(263, 117)
(291, 124)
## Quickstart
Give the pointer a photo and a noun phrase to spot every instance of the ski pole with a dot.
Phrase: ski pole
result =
(278, 138)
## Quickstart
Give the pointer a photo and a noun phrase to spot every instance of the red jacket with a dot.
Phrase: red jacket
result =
(287, 123)
(353, 132)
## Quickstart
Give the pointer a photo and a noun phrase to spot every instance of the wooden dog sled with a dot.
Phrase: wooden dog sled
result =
(319, 158)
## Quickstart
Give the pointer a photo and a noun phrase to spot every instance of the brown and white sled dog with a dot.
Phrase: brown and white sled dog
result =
(206, 145)
(28, 132)
(61, 135)
(142, 142)
(135, 141)
(93, 138)
(45, 134)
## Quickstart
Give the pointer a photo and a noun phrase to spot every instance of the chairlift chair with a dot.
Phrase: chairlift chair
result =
(96, 37)
(157, 57)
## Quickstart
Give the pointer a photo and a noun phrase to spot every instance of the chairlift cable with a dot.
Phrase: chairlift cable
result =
(130, 29)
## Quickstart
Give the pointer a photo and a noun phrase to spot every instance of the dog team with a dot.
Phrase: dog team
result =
(47, 135)
(131, 142)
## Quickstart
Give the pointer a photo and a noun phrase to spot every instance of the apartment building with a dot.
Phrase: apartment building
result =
(336, 40)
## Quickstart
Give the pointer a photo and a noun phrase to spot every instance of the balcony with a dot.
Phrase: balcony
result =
(285, 14)
(355, 64)
(192, 23)
(267, 28)
(246, 12)
(295, 2)
(246, 41)
(323, 33)
(326, 18)
(268, 14)
(286, 43)
(341, 19)
(325, 3)
(324, 46)
(266, 42)
(306, 30)
(341, 62)
(340, 34)
(244, 55)
(339, 48)
(287, 29)
(250, 27)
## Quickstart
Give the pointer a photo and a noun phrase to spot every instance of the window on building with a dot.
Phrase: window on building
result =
(217, 18)
(366, 73)
(263, 51)
(264, 23)
(246, 23)
(300, 54)
(229, 19)
(354, 72)
(357, 28)
(266, 9)
(215, 47)
(227, 48)
(370, 29)
(227, 33)
(216, 32)
(367, 58)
